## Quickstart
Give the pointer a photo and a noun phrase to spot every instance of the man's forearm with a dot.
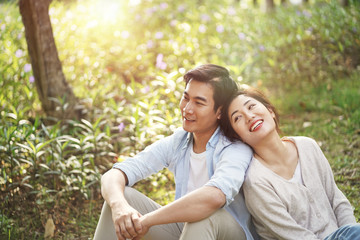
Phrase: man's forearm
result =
(193, 207)
(113, 183)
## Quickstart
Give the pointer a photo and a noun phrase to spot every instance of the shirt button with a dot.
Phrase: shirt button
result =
(311, 200)
(318, 215)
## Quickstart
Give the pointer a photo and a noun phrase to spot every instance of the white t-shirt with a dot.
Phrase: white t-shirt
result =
(198, 174)
(297, 178)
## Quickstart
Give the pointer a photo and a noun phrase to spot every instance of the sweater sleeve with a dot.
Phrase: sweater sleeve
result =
(270, 215)
(340, 204)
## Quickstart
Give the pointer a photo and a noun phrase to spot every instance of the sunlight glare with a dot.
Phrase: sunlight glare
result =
(107, 11)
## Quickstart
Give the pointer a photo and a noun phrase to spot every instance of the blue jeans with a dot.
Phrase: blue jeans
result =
(346, 232)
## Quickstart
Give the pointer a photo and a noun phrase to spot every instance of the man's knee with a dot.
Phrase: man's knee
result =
(220, 225)
(130, 192)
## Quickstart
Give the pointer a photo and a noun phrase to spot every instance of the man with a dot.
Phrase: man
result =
(209, 171)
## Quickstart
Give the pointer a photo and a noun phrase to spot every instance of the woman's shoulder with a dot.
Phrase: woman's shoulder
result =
(302, 141)
(257, 173)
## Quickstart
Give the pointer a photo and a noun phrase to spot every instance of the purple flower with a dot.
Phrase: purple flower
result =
(2, 27)
(163, 5)
(150, 44)
(298, 13)
(173, 23)
(261, 48)
(242, 36)
(220, 28)
(231, 11)
(27, 67)
(181, 8)
(19, 36)
(205, 17)
(159, 35)
(121, 127)
(159, 62)
(31, 79)
(125, 34)
(150, 11)
(145, 89)
(307, 14)
(19, 53)
(202, 28)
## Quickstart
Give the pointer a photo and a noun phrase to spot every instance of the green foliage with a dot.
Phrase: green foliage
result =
(125, 61)
(330, 114)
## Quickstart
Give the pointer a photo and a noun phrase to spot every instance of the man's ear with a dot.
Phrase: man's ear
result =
(219, 112)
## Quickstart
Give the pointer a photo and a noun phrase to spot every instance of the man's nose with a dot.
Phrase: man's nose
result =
(188, 108)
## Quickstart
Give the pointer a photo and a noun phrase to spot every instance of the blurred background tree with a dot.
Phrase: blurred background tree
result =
(53, 90)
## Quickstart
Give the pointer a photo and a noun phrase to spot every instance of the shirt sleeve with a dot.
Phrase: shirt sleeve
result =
(270, 216)
(342, 208)
(149, 161)
(230, 170)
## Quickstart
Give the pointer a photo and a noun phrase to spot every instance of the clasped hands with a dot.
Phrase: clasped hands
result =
(128, 223)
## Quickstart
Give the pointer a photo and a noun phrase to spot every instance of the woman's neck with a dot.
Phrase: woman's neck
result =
(278, 155)
(271, 150)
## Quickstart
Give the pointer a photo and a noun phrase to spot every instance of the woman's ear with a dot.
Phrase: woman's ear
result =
(272, 113)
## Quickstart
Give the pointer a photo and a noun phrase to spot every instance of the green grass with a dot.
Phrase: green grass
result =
(330, 115)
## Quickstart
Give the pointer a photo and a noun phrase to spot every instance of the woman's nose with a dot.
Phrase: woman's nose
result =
(249, 116)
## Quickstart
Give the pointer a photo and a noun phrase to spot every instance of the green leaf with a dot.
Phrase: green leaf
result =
(39, 154)
(39, 146)
(44, 166)
(26, 147)
(87, 123)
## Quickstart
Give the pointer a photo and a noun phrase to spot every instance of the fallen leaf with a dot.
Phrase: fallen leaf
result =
(49, 228)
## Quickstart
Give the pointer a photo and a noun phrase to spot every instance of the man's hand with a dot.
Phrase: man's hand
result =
(145, 227)
(126, 222)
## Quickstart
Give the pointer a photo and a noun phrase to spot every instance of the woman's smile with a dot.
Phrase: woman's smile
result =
(256, 125)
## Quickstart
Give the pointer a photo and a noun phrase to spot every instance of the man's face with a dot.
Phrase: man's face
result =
(197, 108)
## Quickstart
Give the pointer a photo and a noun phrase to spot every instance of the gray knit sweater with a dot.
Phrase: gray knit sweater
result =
(286, 210)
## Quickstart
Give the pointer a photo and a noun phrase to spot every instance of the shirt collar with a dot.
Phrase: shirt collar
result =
(212, 141)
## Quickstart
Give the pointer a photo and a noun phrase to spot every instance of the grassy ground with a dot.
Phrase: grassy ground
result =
(330, 115)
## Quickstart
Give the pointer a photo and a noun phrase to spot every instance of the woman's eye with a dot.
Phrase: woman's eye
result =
(236, 118)
(251, 106)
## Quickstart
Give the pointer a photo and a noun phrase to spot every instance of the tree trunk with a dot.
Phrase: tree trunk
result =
(56, 96)
(269, 5)
(344, 3)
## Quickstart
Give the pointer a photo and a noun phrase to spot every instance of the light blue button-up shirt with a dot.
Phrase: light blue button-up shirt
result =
(226, 163)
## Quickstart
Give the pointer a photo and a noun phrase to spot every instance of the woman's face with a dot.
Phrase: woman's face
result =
(250, 119)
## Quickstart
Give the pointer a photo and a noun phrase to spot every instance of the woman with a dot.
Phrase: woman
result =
(289, 187)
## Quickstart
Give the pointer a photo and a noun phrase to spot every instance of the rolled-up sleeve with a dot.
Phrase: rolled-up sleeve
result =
(151, 160)
(229, 172)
